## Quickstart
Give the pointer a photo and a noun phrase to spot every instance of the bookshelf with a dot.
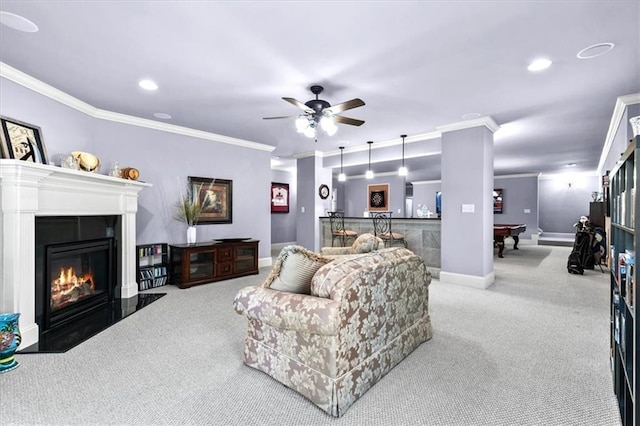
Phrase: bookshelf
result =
(153, 265)
(623, 320)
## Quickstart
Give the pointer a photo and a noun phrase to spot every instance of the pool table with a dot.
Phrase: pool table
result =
(501, 231)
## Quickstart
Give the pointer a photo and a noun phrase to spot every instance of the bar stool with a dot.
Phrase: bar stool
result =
(337, 229)
(382, 229)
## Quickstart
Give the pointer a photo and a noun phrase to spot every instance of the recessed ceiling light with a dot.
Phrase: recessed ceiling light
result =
(571, 165)
(595, 50)
(471, 115)
(148, 85)
(162, 115)
(539, 64)
(17, 22)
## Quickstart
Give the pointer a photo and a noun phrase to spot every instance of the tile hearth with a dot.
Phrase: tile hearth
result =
(77, 331)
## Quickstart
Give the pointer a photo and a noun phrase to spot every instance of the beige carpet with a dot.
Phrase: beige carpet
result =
(530, 350)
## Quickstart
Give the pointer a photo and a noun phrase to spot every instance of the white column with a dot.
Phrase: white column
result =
(129, 287)
(467, 203)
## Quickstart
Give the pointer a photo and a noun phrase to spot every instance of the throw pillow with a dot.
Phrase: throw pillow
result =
(294, 270)
(364, 244)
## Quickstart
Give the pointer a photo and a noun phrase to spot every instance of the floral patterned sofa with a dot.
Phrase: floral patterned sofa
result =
(362, 316)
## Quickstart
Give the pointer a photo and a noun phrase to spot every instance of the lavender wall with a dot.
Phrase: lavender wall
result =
(354, 194)
(164, 160)
(520, 194)
(283, 225)
(560, 205)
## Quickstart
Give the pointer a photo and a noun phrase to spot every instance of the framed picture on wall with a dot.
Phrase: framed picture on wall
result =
(216, 195)
(279, 197)
(21, 141)
(497, 201)
(378, 197)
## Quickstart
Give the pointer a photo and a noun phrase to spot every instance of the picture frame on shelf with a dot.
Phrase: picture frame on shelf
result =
(378, 197)
(279, 197)
(21, 141)
(216, 197)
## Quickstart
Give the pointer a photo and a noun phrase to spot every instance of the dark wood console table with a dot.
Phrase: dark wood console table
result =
(201, 263)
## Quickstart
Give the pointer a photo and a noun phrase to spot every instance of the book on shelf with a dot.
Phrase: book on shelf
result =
(630, 256)
(622, 274)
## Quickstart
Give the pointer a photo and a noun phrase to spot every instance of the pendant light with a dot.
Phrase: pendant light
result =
(341, 177)
(402, 171)
(369, 174)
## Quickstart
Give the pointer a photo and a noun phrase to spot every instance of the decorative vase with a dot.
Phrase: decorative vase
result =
(10, 339)
(191, 235)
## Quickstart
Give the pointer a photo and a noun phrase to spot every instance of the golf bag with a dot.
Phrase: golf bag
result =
(588, 250)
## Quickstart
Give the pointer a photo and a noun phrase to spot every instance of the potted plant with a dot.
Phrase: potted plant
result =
(188, 210)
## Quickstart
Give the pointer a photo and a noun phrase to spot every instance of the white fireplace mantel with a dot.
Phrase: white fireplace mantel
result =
(28, 190)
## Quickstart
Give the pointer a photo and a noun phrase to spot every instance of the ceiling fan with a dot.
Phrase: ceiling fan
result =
(318, 112)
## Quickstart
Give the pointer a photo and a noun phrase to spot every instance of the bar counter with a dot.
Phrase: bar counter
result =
(422, 235)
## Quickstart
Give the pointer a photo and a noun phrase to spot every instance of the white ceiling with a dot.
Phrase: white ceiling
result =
(223, 66)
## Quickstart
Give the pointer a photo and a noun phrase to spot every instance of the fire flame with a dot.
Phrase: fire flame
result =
(69, 287)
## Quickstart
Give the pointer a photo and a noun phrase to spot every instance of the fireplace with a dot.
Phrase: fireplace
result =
(78, 278)
(30, 192)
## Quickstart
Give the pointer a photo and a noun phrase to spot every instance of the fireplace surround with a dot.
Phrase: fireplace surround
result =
(30, 190)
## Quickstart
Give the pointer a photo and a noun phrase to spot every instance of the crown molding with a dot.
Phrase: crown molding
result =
(386, 143)
(516, 176)
(567, 174)
(51, 92)
(618, 112)
(486, 121)
(307, 154)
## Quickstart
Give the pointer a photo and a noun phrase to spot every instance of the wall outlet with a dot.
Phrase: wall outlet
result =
(527, 210)
(302, 209)
(468, 208)
(399, 211)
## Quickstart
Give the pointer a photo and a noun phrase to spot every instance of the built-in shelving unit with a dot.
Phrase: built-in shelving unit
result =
(624, 242)
(153, 265)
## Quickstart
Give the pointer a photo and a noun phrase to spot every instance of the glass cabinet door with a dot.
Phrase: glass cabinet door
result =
(245, 258)
(201, 265)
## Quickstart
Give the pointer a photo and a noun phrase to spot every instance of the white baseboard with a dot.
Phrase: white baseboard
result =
(280, 246)
(265, 261)
(468, 280)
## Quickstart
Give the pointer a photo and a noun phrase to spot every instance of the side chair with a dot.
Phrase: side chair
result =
(382, 229)
(336, 220)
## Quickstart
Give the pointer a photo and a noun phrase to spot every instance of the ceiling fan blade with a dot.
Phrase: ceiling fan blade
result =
(347, 120)
(275, 118)
(299, 104)
(337, 109)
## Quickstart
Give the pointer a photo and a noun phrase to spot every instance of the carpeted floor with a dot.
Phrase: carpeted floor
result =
(530, 350)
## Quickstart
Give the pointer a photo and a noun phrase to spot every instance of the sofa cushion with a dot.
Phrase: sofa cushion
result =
(294, 269)
(365, 243)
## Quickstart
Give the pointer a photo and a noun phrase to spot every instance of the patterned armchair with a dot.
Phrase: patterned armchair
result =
(362, 317)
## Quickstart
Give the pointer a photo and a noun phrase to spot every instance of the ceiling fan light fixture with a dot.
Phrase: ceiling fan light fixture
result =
(301, 123)
(310, 131)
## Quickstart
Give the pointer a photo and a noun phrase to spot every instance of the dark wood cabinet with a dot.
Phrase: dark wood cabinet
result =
(201, 263)
(596, 213)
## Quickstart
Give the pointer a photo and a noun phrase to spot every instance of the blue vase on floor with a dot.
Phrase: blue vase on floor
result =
(10, 339)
